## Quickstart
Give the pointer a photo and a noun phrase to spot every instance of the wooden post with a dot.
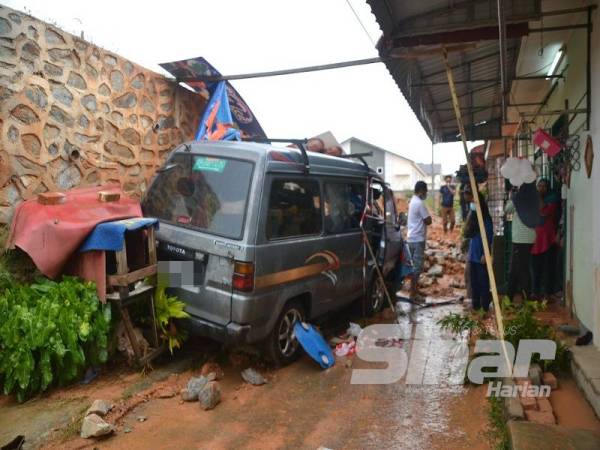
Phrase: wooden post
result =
(486, 247)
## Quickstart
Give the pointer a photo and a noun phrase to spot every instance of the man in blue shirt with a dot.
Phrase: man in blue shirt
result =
(447, 192)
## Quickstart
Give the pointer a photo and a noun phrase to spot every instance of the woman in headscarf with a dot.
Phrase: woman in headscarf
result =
(544, 248)
(480, 282)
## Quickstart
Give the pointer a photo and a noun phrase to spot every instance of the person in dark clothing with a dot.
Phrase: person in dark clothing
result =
(480, 283)
(447, 193)
(544, 248)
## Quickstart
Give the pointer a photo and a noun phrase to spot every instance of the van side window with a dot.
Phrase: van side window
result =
(294, 209)
(344, 205)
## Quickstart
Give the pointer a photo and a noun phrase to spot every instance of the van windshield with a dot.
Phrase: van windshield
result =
(202, 192)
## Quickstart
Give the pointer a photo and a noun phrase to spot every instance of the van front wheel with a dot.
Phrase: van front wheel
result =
(282, 346)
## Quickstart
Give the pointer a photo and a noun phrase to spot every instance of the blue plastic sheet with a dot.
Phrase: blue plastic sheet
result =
(110, 235)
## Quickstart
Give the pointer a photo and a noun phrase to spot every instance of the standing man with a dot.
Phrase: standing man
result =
(447, 192)
(418, 221)
(523, 237)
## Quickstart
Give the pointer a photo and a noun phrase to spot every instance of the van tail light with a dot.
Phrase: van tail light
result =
(243, 276)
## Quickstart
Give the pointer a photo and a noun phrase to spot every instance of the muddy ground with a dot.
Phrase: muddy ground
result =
(301, 406)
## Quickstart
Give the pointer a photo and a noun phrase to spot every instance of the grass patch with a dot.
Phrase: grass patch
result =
(497, 433)
(73, 428)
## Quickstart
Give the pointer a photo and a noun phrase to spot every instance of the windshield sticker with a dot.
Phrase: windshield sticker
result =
(205, 164)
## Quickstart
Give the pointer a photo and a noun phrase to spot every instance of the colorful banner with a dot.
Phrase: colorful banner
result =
(198, 68)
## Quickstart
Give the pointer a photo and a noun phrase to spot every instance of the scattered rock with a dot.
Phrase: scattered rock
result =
(94, 426)
(436, 271)
(211, 376)
(549, 379)
(165, 393)
(535, 374)
(253, 377)
(126, 430)
(194, 386)
(210, 395)
(514, 408)
(212, 367)
(99, 407)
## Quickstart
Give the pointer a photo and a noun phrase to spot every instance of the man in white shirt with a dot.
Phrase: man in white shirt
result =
(418, 221)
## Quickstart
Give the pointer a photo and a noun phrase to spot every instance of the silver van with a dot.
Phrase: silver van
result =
(259, 236)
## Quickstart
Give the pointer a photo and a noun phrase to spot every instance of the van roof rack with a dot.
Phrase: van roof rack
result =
(359, 156)
(297, 142)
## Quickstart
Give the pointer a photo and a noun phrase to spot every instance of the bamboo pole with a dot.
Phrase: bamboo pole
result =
(486, 247)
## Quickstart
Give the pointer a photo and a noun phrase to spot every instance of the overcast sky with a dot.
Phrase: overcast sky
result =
(240, 36)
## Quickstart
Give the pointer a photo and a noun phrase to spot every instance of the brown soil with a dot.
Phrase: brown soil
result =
(571, 408)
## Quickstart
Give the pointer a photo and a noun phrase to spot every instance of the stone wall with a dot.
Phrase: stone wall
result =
(73, 114)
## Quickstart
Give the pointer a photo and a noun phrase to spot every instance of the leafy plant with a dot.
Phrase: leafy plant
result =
(522, 324)
(50, 332)
(458, 323)
(168, 308)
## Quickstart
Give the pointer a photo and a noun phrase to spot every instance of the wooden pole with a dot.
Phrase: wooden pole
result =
(379, 274)
(486, 247)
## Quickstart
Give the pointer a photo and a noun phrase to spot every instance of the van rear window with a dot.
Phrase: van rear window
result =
(202, 192)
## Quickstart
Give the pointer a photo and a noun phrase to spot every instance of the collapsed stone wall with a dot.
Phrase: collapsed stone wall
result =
(74, 114)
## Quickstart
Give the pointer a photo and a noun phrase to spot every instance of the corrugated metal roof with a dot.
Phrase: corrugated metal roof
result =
(420, 74)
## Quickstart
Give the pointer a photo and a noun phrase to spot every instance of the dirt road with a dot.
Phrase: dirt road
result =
(303, 406)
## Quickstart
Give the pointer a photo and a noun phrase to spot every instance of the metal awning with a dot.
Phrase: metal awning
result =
(414, 34)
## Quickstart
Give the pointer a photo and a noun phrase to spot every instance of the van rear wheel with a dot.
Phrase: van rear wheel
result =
(282, 346)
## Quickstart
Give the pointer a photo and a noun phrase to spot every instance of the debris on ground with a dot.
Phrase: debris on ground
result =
(345, 349)
(389, 342)
(99, 407)
(165, 392)
(210, 395)
(253, 377)
(212, 367)
(94, 426)
(354, 329)
(141, 418)
(193, 388)
(436, 271)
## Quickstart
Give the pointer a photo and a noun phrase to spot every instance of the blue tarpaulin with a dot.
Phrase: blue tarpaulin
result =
(110, 235)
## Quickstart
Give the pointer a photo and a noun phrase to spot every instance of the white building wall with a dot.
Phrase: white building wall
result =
(400, 173)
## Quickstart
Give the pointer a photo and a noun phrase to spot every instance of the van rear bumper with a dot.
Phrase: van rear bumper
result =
(232, 333)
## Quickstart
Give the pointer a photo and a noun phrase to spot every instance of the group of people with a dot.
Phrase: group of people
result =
(535, 211)
(535, 241)
(418, 221)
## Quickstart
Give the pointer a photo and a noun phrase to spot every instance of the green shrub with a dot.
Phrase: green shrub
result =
(49, 333)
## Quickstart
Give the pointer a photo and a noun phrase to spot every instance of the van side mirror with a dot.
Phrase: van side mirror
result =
(402, 218)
